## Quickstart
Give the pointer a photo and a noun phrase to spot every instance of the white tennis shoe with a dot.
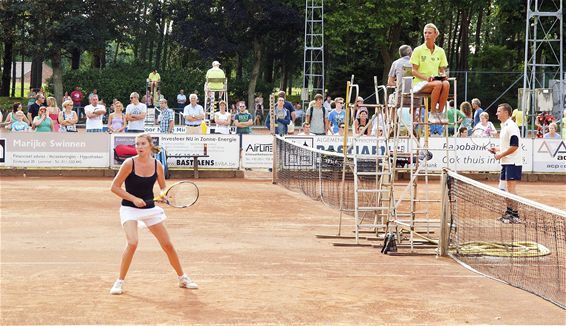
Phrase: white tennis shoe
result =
(186, 282)
(117, 287)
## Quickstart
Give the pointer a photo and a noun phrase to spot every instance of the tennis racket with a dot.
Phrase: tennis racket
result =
(479, 139)
(181, 194)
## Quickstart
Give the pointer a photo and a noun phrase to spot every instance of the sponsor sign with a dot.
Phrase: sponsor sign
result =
(549, 155)
(223, 150)
(155, 129)
(257, 151)
(56, 150)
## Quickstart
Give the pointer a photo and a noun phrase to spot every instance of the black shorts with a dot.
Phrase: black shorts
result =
(510, 172)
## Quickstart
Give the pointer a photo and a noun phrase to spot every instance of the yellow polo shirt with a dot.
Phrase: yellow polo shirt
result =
(518, 116)
(154, 77)
(429, 63)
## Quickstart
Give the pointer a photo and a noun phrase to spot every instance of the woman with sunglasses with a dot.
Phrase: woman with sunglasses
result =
(42, 122)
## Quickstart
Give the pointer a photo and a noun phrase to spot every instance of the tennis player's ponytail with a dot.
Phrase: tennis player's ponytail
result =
(154, 148)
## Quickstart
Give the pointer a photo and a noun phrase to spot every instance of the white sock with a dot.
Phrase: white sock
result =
(180, 277)
(503, 185)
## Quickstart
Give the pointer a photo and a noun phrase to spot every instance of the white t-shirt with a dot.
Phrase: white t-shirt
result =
(136, 109)
(222, 129)
(508, 129)
(181, 98)
(94, 123)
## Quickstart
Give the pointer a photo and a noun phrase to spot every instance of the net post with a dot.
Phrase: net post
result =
(274, 141)
(444, 215)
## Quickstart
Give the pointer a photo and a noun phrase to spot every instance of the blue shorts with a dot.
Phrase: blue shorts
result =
(510, 172)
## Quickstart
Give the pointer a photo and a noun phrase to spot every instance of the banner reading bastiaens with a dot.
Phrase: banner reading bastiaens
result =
(223, 150)
(56, 150)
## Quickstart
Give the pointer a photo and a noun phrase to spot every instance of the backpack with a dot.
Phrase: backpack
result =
(389, 243)
(323, 114)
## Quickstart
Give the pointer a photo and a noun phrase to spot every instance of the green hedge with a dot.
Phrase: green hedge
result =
(118, 81)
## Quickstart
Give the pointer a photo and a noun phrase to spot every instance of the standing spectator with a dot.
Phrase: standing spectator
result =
(455, 117)
(66, 97)
(468, 121)
(543, 120)
(11, 117)
(328, 103)
(222, 119)
(429, 71)
(181, 100)
(289, 106)
(510, 159)
(317, 116)
(258, 105)
(243, 119)
(282, 118)
(194, 115)
(42, 122)
(77, 96)
(517, 116)
(166, 118)
(34, 108)
(68, 118)
(31, 97)
(53, 112)
(485, 128)
(94, 92)
(154, 80)
(337, 116)
(476, 105)
(94, 113)
(19, 124)
(299, 114)
(117, 120)
(135, 113)
(552, 127)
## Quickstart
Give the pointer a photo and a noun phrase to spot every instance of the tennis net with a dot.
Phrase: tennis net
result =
(529, 253)
(318, 174)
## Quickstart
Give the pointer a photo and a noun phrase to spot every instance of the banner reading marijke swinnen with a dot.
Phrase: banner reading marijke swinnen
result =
(53, 150)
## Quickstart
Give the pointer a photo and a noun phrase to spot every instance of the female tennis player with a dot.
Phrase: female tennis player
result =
(139, 173)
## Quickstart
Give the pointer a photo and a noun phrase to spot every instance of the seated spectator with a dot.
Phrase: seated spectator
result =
(552, 128)
(42, 122)
(223, 119)
(463, 132)
(485, 128)
(362, 121)
(282, 118)
(243, 119)
(341, 130)
(117, 120)
(543, 120)
(215, 74)
(53, 111)
(166, 118)
(307, 130)
(19, 124)
(154, 80)
(94, 113)
(11, 117)
(68, 118)
(135, 114)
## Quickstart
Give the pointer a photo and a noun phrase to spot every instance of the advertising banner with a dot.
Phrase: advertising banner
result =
(55, 150)
(257, 151)
(549, 155)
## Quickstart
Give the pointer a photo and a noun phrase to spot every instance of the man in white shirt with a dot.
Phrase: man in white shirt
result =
(181, 100)
(94, 113)
(510, 158)
(135, 114)
(194, 114)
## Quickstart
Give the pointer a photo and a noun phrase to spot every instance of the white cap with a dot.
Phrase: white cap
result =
(215, 63)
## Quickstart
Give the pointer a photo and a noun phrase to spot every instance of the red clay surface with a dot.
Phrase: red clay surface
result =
(250, 246)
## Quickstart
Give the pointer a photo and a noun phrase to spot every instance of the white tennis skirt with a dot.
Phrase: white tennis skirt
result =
(148, 216)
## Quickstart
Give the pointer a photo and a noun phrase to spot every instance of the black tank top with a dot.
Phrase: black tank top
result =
(141, 187)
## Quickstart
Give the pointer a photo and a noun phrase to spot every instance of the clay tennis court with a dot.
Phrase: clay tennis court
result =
(250, 246)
